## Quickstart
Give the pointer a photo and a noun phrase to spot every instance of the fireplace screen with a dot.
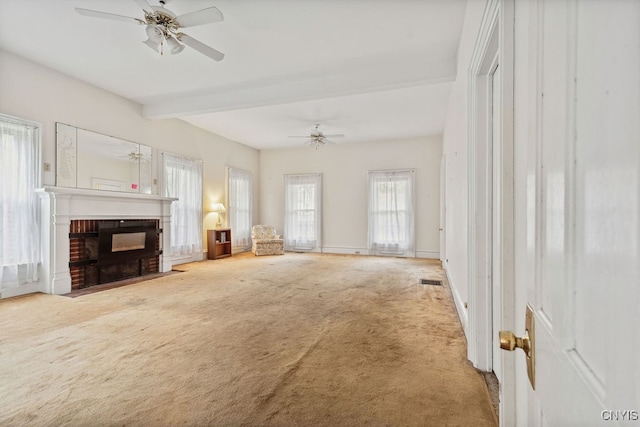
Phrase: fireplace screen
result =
(127, 242)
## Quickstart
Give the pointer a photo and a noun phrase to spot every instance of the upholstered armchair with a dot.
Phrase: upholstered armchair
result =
(266, 241)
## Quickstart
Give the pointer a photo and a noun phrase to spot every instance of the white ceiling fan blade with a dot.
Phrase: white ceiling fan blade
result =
(299, 136)
(145, 6)
(200, 17)
(105, 15)
(201, 47)
(337, 135)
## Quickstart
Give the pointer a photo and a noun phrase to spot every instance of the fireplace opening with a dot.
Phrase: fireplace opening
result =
(105, 251)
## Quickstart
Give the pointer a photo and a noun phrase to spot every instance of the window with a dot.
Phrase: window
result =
(303, 208)
(240, 202)
(391, 224)
(19, 213)
(182, 179)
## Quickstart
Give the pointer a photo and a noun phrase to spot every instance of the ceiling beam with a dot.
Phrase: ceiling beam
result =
(318, 84)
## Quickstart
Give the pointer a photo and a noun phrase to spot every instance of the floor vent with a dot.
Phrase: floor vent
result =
(431, 282)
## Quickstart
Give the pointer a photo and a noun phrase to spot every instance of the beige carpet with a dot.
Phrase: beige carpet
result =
(293, 340)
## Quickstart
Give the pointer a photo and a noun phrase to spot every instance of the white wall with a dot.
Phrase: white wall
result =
(344, 168)
(456, 152)
(34, 92)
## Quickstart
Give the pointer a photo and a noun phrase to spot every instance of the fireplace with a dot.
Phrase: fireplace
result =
(93, 237)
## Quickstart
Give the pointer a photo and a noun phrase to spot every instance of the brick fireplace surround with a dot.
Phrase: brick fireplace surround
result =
(71, 210)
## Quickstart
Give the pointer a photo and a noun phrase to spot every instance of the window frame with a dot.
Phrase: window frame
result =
(291, 240)
(196, 251)
(241, 239)
(387, 246)
(27, 275)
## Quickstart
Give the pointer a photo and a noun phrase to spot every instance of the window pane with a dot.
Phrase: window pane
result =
(240, 210)
(302, 211)
(391, 228)
(19, 213)
(183, 180)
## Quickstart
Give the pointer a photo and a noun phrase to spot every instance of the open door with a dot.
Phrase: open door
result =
(577, 214)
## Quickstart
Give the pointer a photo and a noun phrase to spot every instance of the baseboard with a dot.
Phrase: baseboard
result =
(29, 288)
(301, 251)
(185, 259)
(460, 308)
(428, 254)
(344, 250)
(238, 251)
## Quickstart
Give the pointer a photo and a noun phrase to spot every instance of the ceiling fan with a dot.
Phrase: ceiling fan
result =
(163, 26)
(317, 138)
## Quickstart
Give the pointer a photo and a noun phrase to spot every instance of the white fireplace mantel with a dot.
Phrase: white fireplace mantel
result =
(60, 205)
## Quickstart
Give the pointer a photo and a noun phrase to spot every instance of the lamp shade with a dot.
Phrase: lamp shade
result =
(155, 33)
(217, 207)
(153, 45)
(174, 45)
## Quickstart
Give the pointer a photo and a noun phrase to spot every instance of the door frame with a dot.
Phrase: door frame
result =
(443, 207)
(494, 45)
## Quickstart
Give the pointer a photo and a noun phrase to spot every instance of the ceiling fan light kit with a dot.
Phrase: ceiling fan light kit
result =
(163, 26)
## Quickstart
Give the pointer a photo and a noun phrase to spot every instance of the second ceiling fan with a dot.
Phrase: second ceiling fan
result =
(163, 26)
(317, 138)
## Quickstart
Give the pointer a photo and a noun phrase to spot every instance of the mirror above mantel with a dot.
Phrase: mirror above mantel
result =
(91, 160)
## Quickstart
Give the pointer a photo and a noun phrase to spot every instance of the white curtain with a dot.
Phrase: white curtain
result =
(182, 179)
(303, 210)
(240, 211)
(19, 207)
(391, 213)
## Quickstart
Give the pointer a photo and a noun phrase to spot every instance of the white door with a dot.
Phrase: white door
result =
(580, 212)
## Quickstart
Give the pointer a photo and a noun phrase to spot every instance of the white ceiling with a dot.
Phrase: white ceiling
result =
(370, 69)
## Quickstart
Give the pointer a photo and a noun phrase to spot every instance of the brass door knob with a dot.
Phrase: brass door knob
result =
(509, 341)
